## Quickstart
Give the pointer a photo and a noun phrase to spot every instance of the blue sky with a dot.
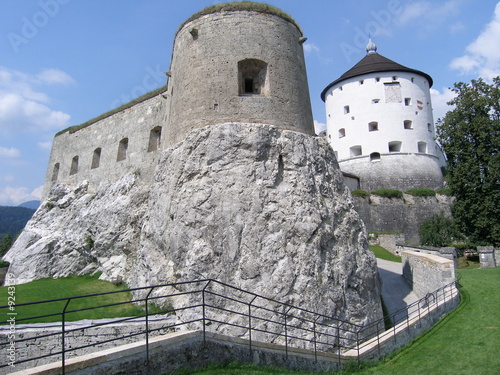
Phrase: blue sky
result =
(63, 62)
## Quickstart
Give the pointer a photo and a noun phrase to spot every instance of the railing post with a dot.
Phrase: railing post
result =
(286, 333)
(147, 325)
(378, 337)
(63, 336)
(204, 313)
(357, 345)
(315, 340)
(250, 324)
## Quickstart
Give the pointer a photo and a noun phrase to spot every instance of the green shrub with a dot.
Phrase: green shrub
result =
(445, 192)
(421, 192)
(360, 193)
(3, 264)
(439, 231)
(388, 193)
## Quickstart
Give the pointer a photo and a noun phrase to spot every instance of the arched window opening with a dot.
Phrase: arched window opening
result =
(154, 139)
(408, 124)
(122, 150)
(395, 146)
(55, 172)
(373, 126)
(341, 133)
(96, 158)
(356, 150)
(74, 166)
(375, 156)
(252, 77)
(429, 127)
(422, 147)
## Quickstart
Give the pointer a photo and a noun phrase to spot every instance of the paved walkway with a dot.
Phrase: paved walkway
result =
(396, 292)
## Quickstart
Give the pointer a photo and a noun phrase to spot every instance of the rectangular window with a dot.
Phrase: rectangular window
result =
(407, 102)
(356, 150)
(373, 126)
(346, 109)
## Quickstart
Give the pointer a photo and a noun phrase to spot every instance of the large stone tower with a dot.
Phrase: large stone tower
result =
(238, 62)
(380, 124)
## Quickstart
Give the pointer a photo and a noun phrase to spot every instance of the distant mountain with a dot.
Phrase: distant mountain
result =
(30, 204)
(14, 219)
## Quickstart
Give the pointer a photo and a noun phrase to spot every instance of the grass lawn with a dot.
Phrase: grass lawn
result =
(46, 289)
(465, 342)
(382, 253)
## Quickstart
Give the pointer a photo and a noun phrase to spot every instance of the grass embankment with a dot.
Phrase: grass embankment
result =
(465, 342)
(382, 253)
(46, 289)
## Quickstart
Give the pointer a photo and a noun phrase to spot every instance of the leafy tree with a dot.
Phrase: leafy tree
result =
(439, 231)
(5, 244)
(470, 137)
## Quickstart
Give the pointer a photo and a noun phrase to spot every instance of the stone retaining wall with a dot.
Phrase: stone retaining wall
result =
(47, 339)
(426, 272)
(445, 252)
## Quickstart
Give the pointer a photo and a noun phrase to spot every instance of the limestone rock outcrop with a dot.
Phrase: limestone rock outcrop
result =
(76, 231)
(262, 209)
(250, 205)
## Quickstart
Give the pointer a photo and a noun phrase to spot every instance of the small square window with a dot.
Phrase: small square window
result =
(407, 102)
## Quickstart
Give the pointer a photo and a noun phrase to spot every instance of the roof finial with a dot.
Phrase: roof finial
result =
(371, 47)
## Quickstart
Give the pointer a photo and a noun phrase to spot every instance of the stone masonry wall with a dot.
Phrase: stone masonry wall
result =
(134, 123)
(403, 215)
(207, 82)
(425, 272)
(34, 346)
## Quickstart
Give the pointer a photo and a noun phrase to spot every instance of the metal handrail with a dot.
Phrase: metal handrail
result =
(291, 322)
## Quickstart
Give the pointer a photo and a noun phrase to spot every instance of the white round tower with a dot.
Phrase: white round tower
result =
(380, 124)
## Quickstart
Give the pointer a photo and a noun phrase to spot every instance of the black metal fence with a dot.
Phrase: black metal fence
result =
(206, 305)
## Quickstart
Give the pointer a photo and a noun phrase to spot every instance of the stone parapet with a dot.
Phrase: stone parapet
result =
(487, 256)
(426, 272)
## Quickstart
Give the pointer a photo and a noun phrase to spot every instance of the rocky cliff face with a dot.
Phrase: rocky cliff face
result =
(250, 205)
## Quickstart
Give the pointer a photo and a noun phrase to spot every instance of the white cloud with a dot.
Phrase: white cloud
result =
(24, 108)
(309, 48)
(439, 102)
(482, 56)
(312, 49)
(9, 152)
(429, 15)
(10, 196)
(18, 114)
(319, 126)
(414, 11)
(55, 76)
